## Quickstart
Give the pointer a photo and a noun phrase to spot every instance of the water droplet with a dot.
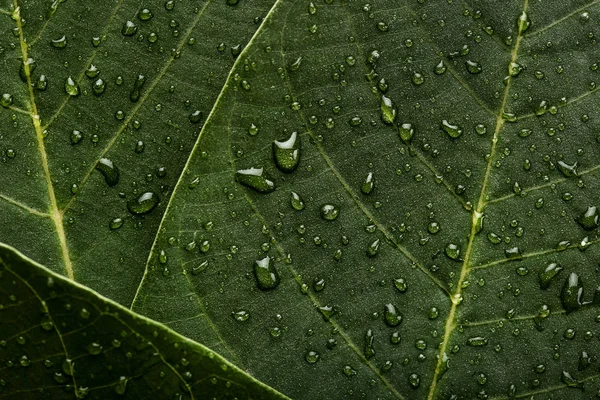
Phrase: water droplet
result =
(400, 284)
(287, 153)
(312, 357)
(453, 251)
(388, 110)
(568, 380)
(369, 350)
(196, 116)
(296, 64)
(453, 131)
(138, 83)
(265, 273)
(414, 380)
(373, 248)
(145, 15)
(60, 42)
(523, 23)
(116, 223)
(240, 316)
(589, 219)
(477, 341)
(367, 186)
(71, 87)
(391, 316)
(572, 293)
(440, 68)
(329, 212)
(297, 202)
(256, 179)
(129, 28)
(568, 170)
(546, 276)
(94, 348)
(109, 171)
(143, 204)
(406, 132)
(473, 67)
(513, 254)
(6, 100)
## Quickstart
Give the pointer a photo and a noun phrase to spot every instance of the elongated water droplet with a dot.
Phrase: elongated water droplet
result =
(453, 131)
(477, 341)
(369, 341)
(373, 248)
(6, 100)
(548, 274)
(440, 68)
(256, 179)
(391, 316)
(388, 110)
(137, 87)
(568, 380)
(589, 219)
(109, 171)
(297, 203)
(568, 170)
(296, 64)
(265, 273)
(98, 87)
(406, 132)
(523, 23)
(196, 116)
(60, 42)
(572, 293)
(143, 204)
(367, 186)
(287, 153)
(116, 223)
(513, 254)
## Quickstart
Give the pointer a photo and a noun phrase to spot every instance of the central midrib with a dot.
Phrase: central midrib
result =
(477, 214)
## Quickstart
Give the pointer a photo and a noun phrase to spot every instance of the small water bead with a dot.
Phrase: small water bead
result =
(287, 153)
(453, 131)
(329, 212)
(368, 184)
(477, 341)
(414, 380)
(255, 178)
(42, 83)
(109, 170)
(514, 69)
(312, 357)
(129, 28)
(297, 202)
(388, 110)
(513, 254)
(589, 219)
(265, 273)
(473, 67)
(433, 227)
(71, 87)
(572, 293)
(568, 380)
(59, 43)
(418, 79)
(94, 348)
(391, 315)
(143, 204)
(373, 248)
(253, 130)
(480, 129)
(295, 66)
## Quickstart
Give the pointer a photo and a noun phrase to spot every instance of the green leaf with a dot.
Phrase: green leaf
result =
(428, 232)
(402, 256)
(61, 340)
(106, 108)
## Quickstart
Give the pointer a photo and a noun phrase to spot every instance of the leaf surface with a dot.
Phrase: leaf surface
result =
(61, 340)
(105, 100)
(410, 249)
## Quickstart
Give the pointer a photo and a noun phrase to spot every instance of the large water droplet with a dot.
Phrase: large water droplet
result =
(329, 212)
(523, 22)
(453, 251)
(453, 131)
(129, 28)
(548, 274)
(406, 132)
(143, 204)
(71, 87)
(109, 171)
(391, 316)
(297, 202)
(265, 273)
(572, 293)
(568, 170)
(256, 179)
(369, 349)
(287, 153)
(589, 219)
